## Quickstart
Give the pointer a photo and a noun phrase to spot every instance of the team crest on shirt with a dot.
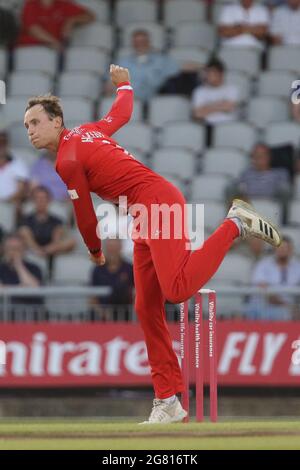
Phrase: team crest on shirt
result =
(73, 194)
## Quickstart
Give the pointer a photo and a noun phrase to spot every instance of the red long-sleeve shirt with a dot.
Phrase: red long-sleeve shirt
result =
(88, 160)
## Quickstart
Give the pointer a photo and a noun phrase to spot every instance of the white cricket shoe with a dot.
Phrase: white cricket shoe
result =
(253, 224)
(164, 413)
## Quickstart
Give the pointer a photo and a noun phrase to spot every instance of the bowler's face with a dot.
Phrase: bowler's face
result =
(42, 130)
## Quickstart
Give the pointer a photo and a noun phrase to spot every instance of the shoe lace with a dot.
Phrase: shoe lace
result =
(158, 413)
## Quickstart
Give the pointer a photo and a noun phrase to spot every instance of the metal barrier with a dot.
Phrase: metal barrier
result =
(75, 303)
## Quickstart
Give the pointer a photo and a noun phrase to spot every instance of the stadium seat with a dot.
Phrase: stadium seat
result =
(164, 109)
(297, 189)
(184, 55)
(100, 8)
(240, 135)
(86, 85)
(241, 59)
(235, 268)
(67, 305)
(226, 161)
(18, 136)
(283, 133)
(194, 34)
(209, 188)
(106, 104)
(128, 11)
(242, 81)
(271, 209)
(155, 31)
(273, 83)
(263, 110)
(176, 11)
(176, 181)
(62, 210)
(28, 155)
(183, 135)
(178, 163)
(29, 84)
(7, 216)
(135, 134)
(214, 214)
(81, 107)
(294, 234)
(71, 269)
(294, 217)
(286, 58)
(35, 58)
(86, 59)
(138, 154)
(95, 35)
(3, 63)
(42, 263)
(14, 110)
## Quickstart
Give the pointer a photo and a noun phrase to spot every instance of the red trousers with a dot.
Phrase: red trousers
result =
(165, 270)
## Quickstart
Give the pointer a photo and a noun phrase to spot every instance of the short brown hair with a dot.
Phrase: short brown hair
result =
(50, 103)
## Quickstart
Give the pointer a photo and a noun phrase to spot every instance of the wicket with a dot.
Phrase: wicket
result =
(199, 354)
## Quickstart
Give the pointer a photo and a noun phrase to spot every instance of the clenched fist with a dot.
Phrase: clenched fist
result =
(118, 74)
(99, 260)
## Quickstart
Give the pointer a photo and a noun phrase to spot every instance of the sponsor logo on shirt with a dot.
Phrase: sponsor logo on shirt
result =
(73, 194)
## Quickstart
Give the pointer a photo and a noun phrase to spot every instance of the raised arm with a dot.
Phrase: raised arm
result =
(121, 110)
(72, 174)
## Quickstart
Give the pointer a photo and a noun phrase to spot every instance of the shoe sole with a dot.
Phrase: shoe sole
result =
(177, 419)
(251, 209)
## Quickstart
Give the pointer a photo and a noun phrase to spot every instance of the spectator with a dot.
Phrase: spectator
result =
(149, 70)
(51, 22)
(15, 271)
(285, 24)
(14, 6)
(279, 270)
(260, 180)
(13, 173)
(296, 112)
(43, 174)
(8, 27)
(117, 274)
(215, 101)
(244, 25)
(42, 232)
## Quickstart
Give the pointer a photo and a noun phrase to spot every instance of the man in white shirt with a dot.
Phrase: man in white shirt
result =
(215, 101)
(244, 25)
(285, 25)
(279, 270)
(13, 174)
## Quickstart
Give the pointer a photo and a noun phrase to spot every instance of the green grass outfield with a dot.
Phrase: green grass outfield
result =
(96, 434)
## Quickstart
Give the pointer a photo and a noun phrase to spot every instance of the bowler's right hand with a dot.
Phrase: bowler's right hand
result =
(119, 74)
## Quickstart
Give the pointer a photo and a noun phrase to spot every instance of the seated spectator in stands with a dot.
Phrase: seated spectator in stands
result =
(1, 240)
(279, 270)
(16, 271)
(244, 25)
(285, 24)
(8, 26)
(13, 5)
(260, 180)
(42, 232)
(117, 274)
(296, 112)
(51, 22)
(42, 173)
(215, 101)
(149, 70)
(13, 173)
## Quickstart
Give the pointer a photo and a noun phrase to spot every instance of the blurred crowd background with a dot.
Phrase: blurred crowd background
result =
(216, 112)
